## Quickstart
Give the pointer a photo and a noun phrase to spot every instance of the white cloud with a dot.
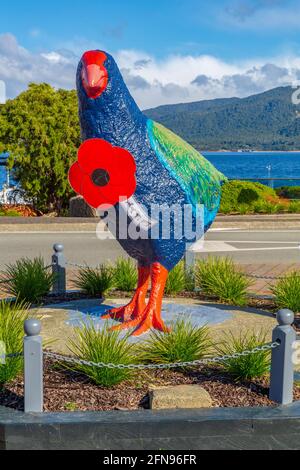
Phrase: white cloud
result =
(18, 66)
(56, 58)
(190, 78)
(152, 82)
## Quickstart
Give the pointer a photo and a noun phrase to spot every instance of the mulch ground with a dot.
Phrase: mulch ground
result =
(65, 390)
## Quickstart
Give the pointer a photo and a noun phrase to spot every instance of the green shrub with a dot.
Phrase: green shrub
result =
(190, 279)
(245, 367)
(242, 194)
(281, 208)
(125, 275)
(220, 278)
(243, 209)
(294, 207)
(289, 192)
(12, 317)
(9, 212)
(184, 343)
(258, 207)
(226, 209)
(95, 282)
(270, 208)
(176, 280)
(28, 280)
(287, 292)
(105, 346)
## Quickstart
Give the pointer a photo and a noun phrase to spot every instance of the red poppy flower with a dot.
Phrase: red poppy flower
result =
(103, 174)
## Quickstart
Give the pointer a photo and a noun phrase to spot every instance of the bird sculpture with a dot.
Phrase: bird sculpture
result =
(130, 163)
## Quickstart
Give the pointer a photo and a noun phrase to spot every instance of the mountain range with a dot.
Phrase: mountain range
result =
(266, 121)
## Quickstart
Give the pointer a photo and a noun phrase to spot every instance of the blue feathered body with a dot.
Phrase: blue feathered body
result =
(116, 118)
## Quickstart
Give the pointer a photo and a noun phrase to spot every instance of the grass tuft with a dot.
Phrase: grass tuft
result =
(287, 292)
(28, 280)
(176, 280)
(12, 317)
(95, 282)
(221, 278)
(185, 342)
(125, 275)
(245, 367)
(105, 346)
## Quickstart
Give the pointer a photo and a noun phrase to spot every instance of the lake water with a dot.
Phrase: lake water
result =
(258, 165)
(2, 176)
(248, 165)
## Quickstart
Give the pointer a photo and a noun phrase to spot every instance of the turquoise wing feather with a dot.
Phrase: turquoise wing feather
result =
(199, 179)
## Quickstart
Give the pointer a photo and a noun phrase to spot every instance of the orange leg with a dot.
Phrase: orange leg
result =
(150, 317)
(138, 302)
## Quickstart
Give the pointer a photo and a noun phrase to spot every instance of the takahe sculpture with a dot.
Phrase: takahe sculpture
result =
(125, 154)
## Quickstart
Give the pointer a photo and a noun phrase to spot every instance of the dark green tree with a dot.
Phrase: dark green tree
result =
(40, 129)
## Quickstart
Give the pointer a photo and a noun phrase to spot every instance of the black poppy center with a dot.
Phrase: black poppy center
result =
(100, 177)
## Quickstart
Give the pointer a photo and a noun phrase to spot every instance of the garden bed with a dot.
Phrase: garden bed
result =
(65, 390)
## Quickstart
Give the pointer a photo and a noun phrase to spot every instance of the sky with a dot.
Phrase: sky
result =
(169, 51)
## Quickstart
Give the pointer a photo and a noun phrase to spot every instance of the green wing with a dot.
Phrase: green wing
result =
(200, 180)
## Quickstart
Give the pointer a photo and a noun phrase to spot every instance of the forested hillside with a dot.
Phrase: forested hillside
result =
(267, 121)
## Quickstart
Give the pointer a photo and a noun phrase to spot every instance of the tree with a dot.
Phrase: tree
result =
(40, 129)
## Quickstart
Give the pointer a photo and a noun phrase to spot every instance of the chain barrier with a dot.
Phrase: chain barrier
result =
(80, 266)
(175, 365)
(267, 278)
(48, 267)
(253, 276)
(10, 356)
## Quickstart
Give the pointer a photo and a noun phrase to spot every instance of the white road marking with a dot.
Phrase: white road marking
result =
(270, 249)
(48, 233)
(227, 229)
(224, 247)
(261, 242)
(211, 246)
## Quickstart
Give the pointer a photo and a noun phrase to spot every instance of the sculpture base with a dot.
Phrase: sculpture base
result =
(198, 315)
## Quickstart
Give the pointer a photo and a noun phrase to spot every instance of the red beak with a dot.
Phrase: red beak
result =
(94, 75)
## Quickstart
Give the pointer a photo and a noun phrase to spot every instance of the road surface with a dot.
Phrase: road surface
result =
(244, 246)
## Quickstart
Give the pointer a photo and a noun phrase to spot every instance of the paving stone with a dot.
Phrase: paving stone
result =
(180, 396)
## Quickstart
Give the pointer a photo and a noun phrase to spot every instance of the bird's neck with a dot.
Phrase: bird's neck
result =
(117, 120)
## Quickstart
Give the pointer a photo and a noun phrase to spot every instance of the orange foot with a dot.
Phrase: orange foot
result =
(125, 313)
(151, 315)
(137, 304)
(151, 318)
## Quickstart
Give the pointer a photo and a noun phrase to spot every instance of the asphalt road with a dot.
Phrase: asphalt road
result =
(246, 247)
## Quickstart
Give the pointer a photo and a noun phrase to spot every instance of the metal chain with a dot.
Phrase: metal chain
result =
(81, 266)
(268, 278)
(175, 365)
(84, 266)
(50, 266)
(10, 356)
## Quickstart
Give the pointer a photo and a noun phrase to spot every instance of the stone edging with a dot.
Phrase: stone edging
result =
(203, 429)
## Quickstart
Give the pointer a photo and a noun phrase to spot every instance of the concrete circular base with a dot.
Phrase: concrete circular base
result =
(198, 315)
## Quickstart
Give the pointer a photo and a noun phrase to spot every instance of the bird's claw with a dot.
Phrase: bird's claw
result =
(119, 313)
(144, 323)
